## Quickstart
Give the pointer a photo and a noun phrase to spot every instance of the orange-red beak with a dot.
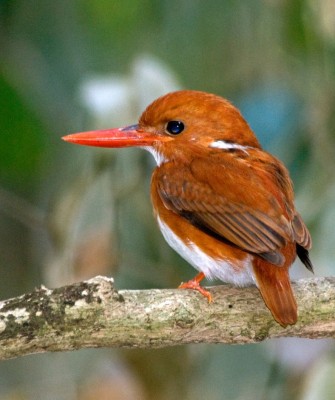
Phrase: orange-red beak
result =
(118, 137)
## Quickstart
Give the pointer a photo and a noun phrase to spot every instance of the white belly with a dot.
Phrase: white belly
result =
(222, 269)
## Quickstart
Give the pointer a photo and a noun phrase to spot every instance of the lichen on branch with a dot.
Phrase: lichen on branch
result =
(94, 314)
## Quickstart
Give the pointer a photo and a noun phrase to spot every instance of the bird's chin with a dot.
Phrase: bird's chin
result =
(158, 156)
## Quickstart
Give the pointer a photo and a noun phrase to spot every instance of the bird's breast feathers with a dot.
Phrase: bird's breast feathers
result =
(236, 272)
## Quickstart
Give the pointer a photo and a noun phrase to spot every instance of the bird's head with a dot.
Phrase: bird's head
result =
(178, 120)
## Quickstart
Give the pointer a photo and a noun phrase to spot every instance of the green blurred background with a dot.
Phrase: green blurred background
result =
(69, 213)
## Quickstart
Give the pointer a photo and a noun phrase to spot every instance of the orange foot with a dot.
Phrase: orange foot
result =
(194, 284)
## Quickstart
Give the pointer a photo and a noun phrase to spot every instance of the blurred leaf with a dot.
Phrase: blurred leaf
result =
(319, 382)
(22, 142)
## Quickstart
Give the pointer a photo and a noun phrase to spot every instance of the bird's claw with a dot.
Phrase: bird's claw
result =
(195, 285)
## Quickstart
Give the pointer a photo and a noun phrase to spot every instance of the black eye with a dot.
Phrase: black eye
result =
(174, 127)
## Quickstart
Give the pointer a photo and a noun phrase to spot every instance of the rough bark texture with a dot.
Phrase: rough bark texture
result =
(93, 314)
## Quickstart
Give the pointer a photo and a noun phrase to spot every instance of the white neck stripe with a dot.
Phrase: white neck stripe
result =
(223, 145)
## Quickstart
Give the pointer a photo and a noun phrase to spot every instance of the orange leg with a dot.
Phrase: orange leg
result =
(194, 284)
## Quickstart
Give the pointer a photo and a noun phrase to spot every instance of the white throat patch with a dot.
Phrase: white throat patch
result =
(159, 158)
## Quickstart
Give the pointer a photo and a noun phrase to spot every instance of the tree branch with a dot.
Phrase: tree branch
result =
(93, 314)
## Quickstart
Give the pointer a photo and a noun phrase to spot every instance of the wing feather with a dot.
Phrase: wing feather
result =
(254, 221)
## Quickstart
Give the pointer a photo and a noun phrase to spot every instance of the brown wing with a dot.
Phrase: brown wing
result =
(301, 234)
(233, 204)
(303, 240)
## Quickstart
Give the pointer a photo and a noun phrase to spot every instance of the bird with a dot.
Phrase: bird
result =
(221, 201)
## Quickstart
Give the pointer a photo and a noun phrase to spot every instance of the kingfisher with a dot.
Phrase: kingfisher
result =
(221, 201)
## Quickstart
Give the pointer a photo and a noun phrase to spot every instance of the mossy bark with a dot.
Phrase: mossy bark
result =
(94, 314)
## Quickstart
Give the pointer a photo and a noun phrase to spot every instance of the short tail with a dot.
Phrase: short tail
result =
(276, 290)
